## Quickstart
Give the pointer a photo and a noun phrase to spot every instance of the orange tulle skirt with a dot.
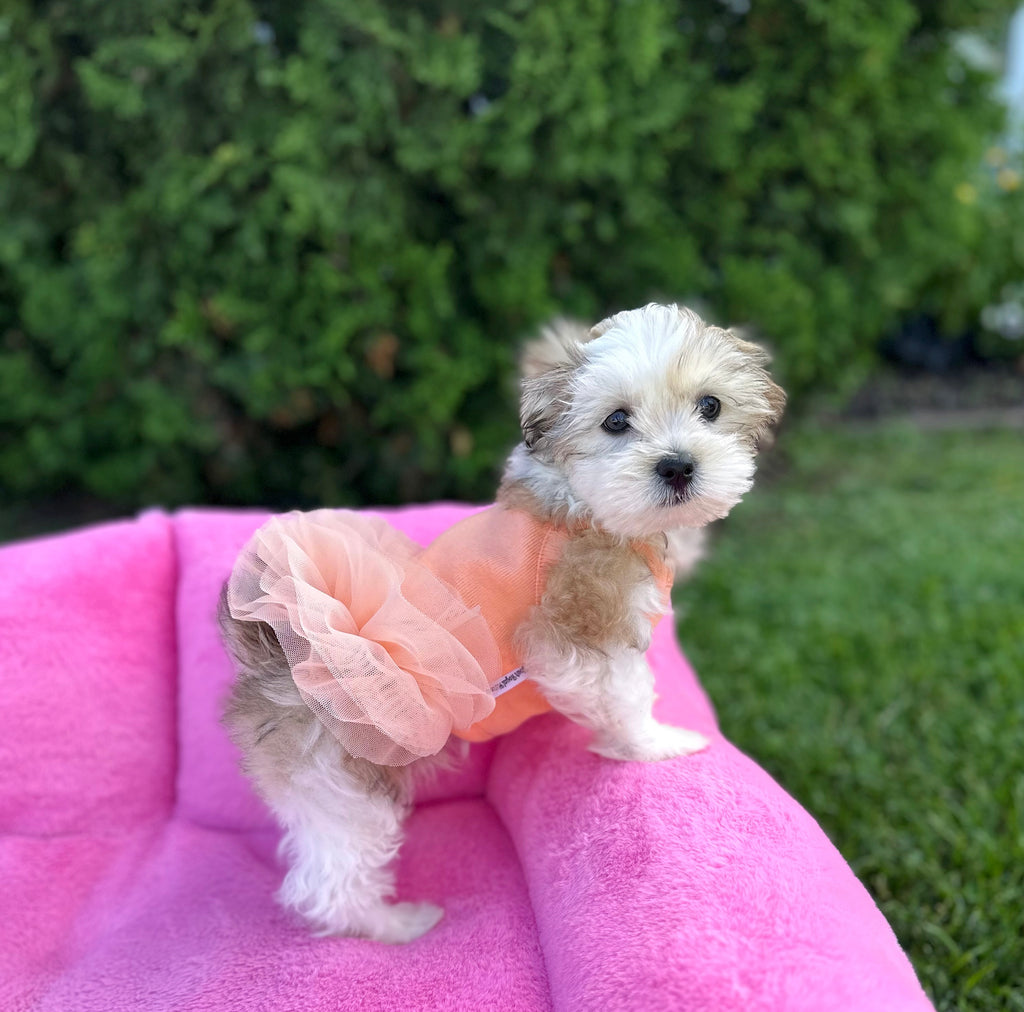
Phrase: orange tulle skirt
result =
(384, 652)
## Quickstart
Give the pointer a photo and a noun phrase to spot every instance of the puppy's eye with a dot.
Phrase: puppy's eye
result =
(709, 408)
(616, 422)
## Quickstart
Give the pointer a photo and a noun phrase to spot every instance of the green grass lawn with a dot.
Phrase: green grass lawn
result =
(860, 628)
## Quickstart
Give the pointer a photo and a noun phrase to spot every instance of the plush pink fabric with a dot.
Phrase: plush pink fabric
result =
(138, 868)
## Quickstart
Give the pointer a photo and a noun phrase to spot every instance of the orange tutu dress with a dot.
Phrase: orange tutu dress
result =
(395, 647)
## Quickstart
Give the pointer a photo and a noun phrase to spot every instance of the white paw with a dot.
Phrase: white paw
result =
(661, 742)
(397, 923)
(393, 923)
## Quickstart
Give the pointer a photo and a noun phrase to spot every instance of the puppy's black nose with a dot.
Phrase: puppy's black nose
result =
(677, 471)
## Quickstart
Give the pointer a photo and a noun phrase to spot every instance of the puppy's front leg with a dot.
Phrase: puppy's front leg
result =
(625, 727)
(613, 695)
(583, 646)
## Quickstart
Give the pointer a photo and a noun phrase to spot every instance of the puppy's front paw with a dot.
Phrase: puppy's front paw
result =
(669, 742)
(662, 741)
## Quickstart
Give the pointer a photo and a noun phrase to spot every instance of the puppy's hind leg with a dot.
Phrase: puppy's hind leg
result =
(342, 817)
(342, 833)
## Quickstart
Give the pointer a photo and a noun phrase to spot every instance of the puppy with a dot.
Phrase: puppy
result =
(358, 655)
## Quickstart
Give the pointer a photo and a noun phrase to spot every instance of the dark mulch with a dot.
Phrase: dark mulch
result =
(997, 388)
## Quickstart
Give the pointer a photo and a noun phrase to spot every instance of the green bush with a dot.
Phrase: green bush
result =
(257, 249)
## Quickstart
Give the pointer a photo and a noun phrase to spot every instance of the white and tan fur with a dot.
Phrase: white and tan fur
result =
(584, 644)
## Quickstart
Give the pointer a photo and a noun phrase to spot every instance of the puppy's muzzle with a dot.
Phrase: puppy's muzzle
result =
(677, 473)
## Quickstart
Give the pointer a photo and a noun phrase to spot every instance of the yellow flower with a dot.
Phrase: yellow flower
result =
(1008, 179)
(966, 193)
(995, 156)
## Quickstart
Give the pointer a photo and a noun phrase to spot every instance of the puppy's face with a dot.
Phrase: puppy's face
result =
(653, 417)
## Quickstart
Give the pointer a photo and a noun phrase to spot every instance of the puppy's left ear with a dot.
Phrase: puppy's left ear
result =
(771, 394)
(556, 346)
(547, 365)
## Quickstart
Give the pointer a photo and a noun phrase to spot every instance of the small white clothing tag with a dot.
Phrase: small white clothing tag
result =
(507, 682)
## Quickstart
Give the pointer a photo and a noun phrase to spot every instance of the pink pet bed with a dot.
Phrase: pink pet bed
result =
(138, 869)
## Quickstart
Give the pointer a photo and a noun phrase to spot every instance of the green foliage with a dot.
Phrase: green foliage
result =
(258, 250)
(859, 630)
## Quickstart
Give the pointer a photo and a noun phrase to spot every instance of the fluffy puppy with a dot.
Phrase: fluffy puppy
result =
(636, 434)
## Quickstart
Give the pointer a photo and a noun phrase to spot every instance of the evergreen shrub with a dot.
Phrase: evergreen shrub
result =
(283, 250)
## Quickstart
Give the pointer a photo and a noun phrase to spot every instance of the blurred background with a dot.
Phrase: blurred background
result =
(257, 251)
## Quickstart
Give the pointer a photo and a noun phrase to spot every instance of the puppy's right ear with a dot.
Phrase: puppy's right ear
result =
(547, 365)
